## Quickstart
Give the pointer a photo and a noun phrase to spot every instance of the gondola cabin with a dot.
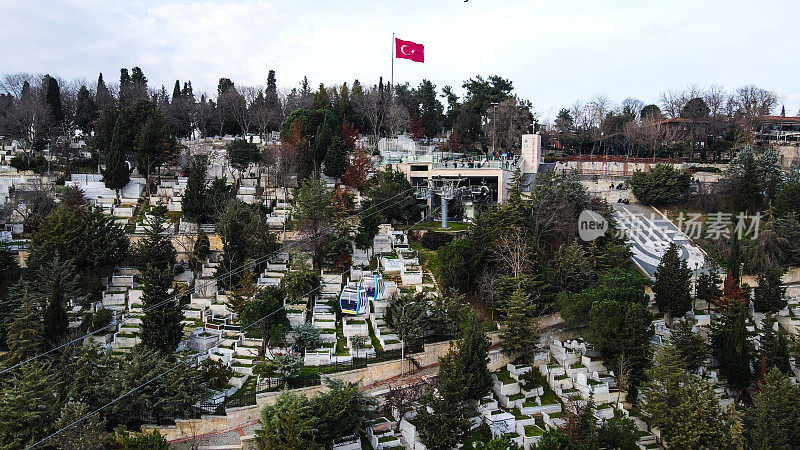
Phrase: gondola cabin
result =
(353, 299)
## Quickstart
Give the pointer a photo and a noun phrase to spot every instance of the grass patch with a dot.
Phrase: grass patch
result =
(533, 430)
(504, 376)
(518, 414)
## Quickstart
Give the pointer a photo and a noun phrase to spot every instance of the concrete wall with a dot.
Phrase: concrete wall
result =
(373, 373)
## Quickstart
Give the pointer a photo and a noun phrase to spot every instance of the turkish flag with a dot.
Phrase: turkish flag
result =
(409, 50)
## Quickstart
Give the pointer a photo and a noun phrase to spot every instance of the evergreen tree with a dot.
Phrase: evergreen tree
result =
(442, 418)
(194, 204)
(161, 325)
(774, 419)
(25, 334)
(340, 411)
(57, 283)
(430, 108)
(155, 248)
(176, 91)
(744, 173)
(88, 434)
(52, 100)
(201, 250)
(28, 406)
(472, 360)
(104, 99)
(336, 158)
(518, 334)
(732, 345)
(242, 153)
(708, 284)
(154, 144)
(116, 174)
(690, 346)
(735, 258)
(672, 286)
(176, 388)
(774, 351)
(621, 331)
(262, 313)
(682, 406)
(288, 424)
(769, 294)
(84, 110)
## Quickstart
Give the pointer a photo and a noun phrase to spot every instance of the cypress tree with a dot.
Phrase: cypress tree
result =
(735, 258)
(84, 110)
(103, 96)
(116, 174)
(176, 91)
(52, 99)
(774, 351)
(769, 294)
(732, 344)
(161, 325)
(672, 285)
(194, 205)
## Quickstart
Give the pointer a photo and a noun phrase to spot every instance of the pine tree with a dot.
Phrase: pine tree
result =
(774, 351)
(672, 286)
(472, 360)
(519, 327)
(161, 325)
(116, 174)
(682, 406)
(445, 424)
(690, 346)
(769, 294)
(88, 434)
(288, 424)
(773, 420)
(28, 406)
(25, 335)
(57, 283)
(155, 248)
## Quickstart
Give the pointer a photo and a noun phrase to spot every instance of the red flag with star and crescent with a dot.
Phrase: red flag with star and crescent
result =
(409, 50)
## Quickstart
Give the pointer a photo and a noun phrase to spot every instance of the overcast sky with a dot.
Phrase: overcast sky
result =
(555, 51)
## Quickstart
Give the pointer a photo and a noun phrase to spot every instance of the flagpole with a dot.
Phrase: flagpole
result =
(391, 90)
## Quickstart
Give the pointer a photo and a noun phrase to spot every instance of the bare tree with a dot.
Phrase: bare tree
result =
(715, 97)
(373, 108)
(233, 105)
(512, 250)
(397, 119)
(400, 400)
